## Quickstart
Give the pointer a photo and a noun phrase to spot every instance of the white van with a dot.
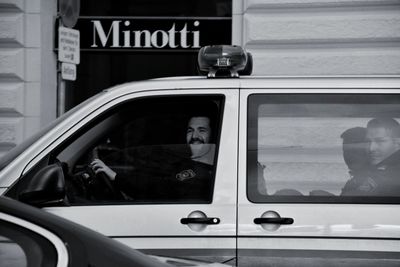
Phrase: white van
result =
(247, 171)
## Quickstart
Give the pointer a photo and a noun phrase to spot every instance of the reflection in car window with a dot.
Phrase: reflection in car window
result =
(11, 254)
(157, 150)
(22, 247)
(311, 148)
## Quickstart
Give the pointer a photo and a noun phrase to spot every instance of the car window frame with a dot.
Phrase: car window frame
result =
(106, 113)
(305, 199)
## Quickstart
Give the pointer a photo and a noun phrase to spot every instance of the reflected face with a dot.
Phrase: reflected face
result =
(198, 131)
(356, 155)
(380, 144)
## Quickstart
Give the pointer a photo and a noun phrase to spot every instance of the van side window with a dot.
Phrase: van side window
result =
(153, 150)
(324, 148)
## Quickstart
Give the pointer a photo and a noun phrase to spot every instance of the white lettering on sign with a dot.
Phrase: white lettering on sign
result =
(144, 38)
(68, 45)
(68, 71)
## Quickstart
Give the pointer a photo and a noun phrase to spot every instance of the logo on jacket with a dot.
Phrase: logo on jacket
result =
(186, 174)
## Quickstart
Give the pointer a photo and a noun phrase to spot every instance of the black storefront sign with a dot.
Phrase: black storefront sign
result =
(152, 34)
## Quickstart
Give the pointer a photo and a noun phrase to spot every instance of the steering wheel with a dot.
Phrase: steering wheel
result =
(95, 187)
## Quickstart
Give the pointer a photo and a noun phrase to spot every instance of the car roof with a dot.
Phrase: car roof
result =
(255, 82)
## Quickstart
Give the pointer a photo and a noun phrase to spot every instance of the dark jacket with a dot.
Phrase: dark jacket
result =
(166, 176)
(382, 179)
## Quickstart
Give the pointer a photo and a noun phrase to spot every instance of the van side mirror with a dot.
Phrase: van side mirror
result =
(46, 188)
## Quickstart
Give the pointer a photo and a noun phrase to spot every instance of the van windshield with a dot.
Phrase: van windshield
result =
(16, 151)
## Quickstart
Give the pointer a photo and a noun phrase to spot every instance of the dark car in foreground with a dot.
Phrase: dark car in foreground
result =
(31, 237)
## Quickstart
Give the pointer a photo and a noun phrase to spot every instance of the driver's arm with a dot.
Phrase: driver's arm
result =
(99, 166)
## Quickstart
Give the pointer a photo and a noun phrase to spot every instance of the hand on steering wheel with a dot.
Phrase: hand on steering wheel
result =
(99, 166)
(104, 177)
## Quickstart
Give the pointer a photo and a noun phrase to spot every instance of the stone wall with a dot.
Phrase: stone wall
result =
(319, 37)
(27, 69)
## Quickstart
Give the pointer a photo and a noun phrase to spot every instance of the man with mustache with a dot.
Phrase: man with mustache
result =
(382, 176)
(167, 176)
(198, 136)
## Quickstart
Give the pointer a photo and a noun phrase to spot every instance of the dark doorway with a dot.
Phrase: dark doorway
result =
(102, 68)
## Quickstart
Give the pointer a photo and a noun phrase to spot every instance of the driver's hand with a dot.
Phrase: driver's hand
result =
(99, 166)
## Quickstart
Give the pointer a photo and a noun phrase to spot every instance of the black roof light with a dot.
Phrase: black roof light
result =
(224, 61)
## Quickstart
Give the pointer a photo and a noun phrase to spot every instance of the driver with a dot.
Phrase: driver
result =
(171, 177)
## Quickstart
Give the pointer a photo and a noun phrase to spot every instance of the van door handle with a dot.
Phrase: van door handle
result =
(281, 220)
(206, 220)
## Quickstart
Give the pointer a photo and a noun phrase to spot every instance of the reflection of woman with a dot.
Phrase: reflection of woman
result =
(355, 156)
(354, 149)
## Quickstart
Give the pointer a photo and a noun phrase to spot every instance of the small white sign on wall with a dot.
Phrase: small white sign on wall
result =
(68, 45)
(68, 71)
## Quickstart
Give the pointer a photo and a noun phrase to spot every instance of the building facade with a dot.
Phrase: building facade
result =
(286, 37)
(28, 69)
